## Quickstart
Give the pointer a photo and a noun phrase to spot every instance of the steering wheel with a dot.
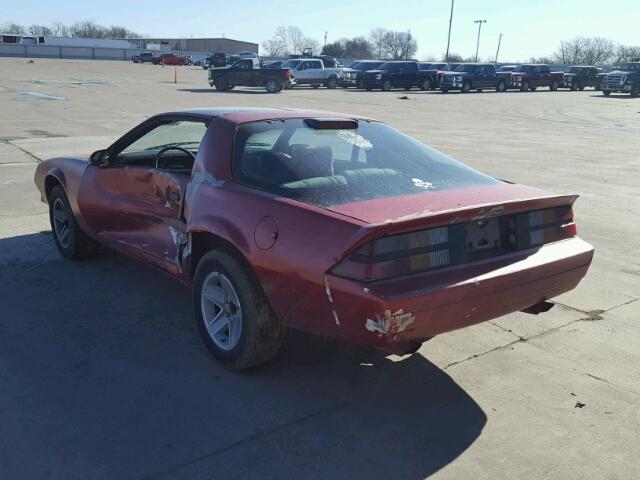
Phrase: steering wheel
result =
(172, 147)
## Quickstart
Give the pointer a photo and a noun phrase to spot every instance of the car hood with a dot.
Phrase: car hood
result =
(402, 208)
(624, 72)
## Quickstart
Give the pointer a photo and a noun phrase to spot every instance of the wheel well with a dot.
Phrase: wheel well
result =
(203, 242)
(49, 182)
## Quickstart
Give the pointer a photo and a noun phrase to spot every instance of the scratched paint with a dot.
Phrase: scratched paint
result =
(390, 323)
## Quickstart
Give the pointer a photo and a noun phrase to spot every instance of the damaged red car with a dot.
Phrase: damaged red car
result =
(329, 223)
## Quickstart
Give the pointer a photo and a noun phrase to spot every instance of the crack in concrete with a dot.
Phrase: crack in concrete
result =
(591, 316)
(248, 439)
(24, 150)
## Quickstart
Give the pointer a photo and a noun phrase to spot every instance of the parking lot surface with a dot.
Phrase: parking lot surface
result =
(103, 374)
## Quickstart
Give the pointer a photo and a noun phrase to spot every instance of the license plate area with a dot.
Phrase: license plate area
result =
(482, 235)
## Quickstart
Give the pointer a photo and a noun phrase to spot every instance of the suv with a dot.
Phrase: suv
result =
(531, 76)
(473, 76)
(396, 74)
(579, 77)
(354, 73)
(143, 57)
(624, 79)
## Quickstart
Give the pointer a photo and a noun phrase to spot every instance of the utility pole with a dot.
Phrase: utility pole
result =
(325, 38)
(446, 56)
(479, 22)
(498, 51)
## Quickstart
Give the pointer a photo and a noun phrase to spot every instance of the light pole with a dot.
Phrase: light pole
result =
(498, 51)
(479, 22)
(446, 56)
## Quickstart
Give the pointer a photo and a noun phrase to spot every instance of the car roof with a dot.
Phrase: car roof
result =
(240, 115)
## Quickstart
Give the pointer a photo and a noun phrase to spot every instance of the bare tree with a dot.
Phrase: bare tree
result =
(39, 30)
(625, 54)
(13, 28)
(585, 50)
(453, 58)
(59, 29)
(117, 31)
(399, 45)
(87, 29)
(273, 48)
(377, 40)
(290, 40)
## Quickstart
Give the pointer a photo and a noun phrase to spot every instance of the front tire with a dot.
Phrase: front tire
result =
(501, 87)
(332, 82)
(386, 86)
(524, 87)
(466, 87)
(554, 86)
(234, 318)
(221, 84)
(426, 85)
(71, 241)
(606, 93)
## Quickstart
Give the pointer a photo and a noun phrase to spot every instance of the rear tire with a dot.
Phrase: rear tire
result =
(524, 87)
(501, 87)
(574, 86)
(227, 296)
(272, 86)
(635, 90)
(554, 86)
(71, 241)
(466, 87)
(426, 85)
(606, 93)
(332, 82)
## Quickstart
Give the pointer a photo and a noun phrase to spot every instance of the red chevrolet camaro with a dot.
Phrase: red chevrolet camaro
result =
(334, 224)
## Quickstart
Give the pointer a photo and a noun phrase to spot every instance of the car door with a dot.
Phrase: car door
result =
(489, 76)
(239, 73)
(303, 72)
(133, 200)
(315, 69)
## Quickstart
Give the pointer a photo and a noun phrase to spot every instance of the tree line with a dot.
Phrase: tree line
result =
(82, 29)
(380, 43)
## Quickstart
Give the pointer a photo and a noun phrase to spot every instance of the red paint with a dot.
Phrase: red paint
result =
(291, 246)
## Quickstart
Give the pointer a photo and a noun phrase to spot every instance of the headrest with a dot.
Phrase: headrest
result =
(311, 161)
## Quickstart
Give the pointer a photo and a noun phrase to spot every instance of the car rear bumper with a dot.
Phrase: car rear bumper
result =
(397, 314)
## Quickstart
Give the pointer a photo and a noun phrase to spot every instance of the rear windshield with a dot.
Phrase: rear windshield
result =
(328, 167)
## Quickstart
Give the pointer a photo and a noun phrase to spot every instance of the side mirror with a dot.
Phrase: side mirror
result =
(98, 157)
(300, 67)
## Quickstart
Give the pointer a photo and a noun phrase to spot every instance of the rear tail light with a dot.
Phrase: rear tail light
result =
(454, 244)
(536, 228)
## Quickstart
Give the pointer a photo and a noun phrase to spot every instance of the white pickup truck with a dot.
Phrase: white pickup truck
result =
(311, 71)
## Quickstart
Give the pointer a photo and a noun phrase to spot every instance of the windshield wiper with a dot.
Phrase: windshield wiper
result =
(174, 144)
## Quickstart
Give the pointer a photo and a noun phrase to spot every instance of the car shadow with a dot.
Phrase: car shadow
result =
(257, 90)
(104, 375)
(620, 96)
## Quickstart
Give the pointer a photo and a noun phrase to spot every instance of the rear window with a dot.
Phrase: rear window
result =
(328, 167)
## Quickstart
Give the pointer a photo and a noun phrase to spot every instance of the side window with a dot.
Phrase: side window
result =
(490, 69)
(411, 67)
(316, 64)
(186, 134)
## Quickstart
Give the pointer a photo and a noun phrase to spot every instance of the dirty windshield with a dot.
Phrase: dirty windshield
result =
(334, 166)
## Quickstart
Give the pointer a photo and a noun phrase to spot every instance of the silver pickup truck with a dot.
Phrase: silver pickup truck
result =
(311, 71)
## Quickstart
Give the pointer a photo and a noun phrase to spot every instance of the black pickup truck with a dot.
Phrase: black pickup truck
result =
(396, 74)
(579, 77)
(247, 73)
(473, 76)
(626, 79)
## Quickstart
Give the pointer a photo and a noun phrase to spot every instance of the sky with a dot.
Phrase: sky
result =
(531, 28)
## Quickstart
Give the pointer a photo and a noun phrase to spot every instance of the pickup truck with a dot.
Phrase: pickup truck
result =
(473, 76)
(531, 76)
(435, 72)
(624, 79)
(354, 72)
(170, 59)
(248, 73)
(579, 77)
(144, 57)
(311, 71)
(396, 74)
